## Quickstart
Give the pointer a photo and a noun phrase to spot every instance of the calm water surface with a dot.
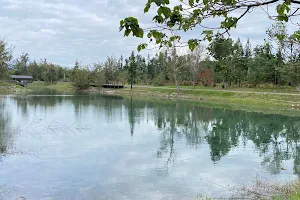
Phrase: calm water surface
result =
(108, 147)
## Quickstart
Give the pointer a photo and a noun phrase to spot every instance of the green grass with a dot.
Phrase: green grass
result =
(267, 102)
(8, 88)
(266, 88)
(245, 94)
(60, 87)
(5, 83)
(290, 191)
(264, 190)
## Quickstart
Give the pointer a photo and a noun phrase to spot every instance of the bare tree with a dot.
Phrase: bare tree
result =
(195, 58)
(175, 65)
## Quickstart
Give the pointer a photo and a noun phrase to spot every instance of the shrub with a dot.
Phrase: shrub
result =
(159, 80)
(206, 77)
(80, 78)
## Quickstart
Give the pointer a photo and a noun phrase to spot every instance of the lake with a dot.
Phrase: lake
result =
(91, 147)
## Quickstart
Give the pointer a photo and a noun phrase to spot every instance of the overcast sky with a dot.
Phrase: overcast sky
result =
(88, 30)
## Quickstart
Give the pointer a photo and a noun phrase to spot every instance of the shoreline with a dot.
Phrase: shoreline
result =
(288, 104)
(251, 101)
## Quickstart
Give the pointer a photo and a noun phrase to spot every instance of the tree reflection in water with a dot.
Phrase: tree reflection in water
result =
(275, 137)
(6, 141)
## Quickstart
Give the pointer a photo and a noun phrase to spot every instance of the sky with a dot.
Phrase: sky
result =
(63, 31)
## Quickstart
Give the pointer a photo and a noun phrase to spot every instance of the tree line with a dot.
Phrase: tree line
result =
(223, 62)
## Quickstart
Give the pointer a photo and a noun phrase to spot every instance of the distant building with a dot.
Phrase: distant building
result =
(22, 79)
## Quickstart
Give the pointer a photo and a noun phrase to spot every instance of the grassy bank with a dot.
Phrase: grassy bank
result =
(8, 88)
(12, 88)
(249, 98)
(264, 88)
(267, 102)
(284, 101)
(263, 190)
(65, 87)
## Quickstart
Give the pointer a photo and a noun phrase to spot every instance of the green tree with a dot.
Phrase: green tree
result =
(150, 69)
(5, 58)
(248, 57)
(263, 66)
(221, 49)
(161, 65)
(50, 73)
(22, 64)
(278, 33)
(35, 71)
(141, 69)
(290, 73)
(99, 76)
(239, 66)
(110, 68)
(77, 64)
(248, 50)
(131, 68)
(81, 78)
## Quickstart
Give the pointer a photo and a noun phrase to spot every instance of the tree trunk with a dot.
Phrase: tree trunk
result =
(224, 84)
(194, 79)
(176, 82)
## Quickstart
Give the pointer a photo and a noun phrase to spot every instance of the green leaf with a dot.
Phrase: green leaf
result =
(175, 37)
(297, 34)
(139, 33)
(280, 9)
(158, 2)
(160, 11)
(142, 47)
(287, 8)
(178, 8)
(209, 38)
(147, 7)
(131, 24)
(280, 37)
(164, 10)
(127, 32)
(159, 19)
(191, 2)
(207, 32)
(170, 24)
(283, 18)
(192, 44)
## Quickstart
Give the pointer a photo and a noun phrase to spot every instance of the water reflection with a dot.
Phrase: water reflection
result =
(5, 133)
(275, 137)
